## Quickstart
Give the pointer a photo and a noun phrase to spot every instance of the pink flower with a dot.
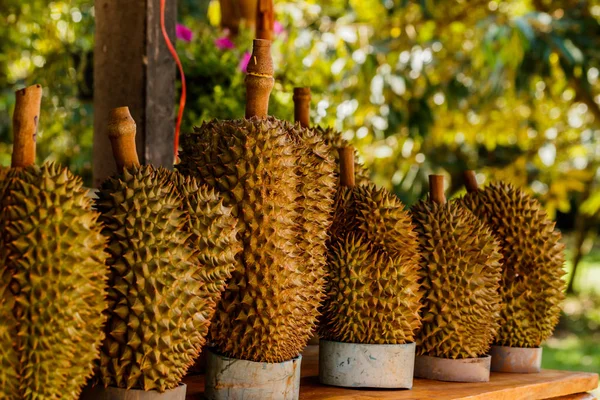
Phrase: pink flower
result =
(244, 61)
(183, 33)
(278, 28)
(224, 43)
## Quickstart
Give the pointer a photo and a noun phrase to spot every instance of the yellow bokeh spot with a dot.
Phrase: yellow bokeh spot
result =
(214, 13)
(395, 32)
(553, 58)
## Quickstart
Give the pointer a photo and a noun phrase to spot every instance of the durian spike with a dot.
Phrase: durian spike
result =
(25, 124)
(265, 19)
(347, 166)
(436, 189)
(121, 132)
(302, 106)
(259, 79)
(470, 181)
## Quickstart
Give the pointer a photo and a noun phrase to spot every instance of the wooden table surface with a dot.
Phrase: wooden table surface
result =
(502, 386)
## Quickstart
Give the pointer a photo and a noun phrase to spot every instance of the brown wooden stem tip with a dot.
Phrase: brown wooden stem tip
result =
(302, 106)
(347, 166)
(259, 80)
(470, 181)
(121, 132)
(436, 189)
(265, 19)
(25, 124)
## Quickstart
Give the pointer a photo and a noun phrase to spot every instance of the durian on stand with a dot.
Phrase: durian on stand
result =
(278, 179)
(532, 285)
(171, 247)
(52, 271)
(460, 274)
(371, 311)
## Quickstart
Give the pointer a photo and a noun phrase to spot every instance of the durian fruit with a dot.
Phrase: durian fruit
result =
(171, 249)
(278, 179)
(330, 136)
(533, 256)
(52, 272)
(373, 294)
(460, 272)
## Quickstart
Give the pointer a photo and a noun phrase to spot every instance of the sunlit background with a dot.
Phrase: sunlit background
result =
(509, 88)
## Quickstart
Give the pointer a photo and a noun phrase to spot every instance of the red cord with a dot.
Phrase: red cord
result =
(178, 62)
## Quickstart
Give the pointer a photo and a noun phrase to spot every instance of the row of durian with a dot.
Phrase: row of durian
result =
(249, 214)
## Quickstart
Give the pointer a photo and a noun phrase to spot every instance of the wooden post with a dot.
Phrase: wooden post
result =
(470, 181)
(436, 189)
(233, 12)
(265, 19)
(302, 106)
(133, 67)
(259, 79)
(347, 166)
(25, 124)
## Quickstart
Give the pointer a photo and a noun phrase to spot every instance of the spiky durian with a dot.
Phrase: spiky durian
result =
(460, 271)
(372, 296)
(53, 284)
(531, 285)
(171, 247)
(278, 180)
(52, 272)
(334, 139)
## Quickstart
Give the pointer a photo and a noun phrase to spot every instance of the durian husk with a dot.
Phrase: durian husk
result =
(373, 294)
(333, 138)
(277, 183)
(52, 287)
(460, 274)
(532, 285)
(171, 249)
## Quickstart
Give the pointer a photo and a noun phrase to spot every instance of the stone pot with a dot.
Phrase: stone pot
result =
(100, 392)
(233, 379)
(366, 365)
(521, 360)
(453, 370)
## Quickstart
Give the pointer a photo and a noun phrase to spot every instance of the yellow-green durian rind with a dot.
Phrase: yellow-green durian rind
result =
(165, 277)
(372, 297)
(52, 285)
(262, 168)
(533, 256)
(460, 274)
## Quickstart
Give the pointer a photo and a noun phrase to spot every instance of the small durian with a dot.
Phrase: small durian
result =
(460, 274)
(52, 271)
(171, 246)
(532, 285)
(330, 136)
(278, 178)
(373, 294)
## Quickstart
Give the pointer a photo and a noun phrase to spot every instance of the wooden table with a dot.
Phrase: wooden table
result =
(548, 384)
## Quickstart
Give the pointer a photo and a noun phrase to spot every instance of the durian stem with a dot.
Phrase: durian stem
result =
(347, 166)
(302, 106)
(25, 123)
(265, 19)
(121, 132)
(470, 181)
(259, 80)
(436, 189)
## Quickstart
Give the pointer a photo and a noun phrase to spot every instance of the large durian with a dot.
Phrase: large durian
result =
(52, 272)
(171, 248)
(460, 268)
(278, 179)
(532, 277)
(329, 135)
(373, 294)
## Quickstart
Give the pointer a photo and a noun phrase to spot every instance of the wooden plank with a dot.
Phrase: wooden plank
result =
(132, 67)
(502, 386)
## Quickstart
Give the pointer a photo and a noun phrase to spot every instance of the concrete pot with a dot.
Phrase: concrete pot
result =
(458, 370)
(99, 392)
(233, 379)
(521, 360)
(366, 365)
